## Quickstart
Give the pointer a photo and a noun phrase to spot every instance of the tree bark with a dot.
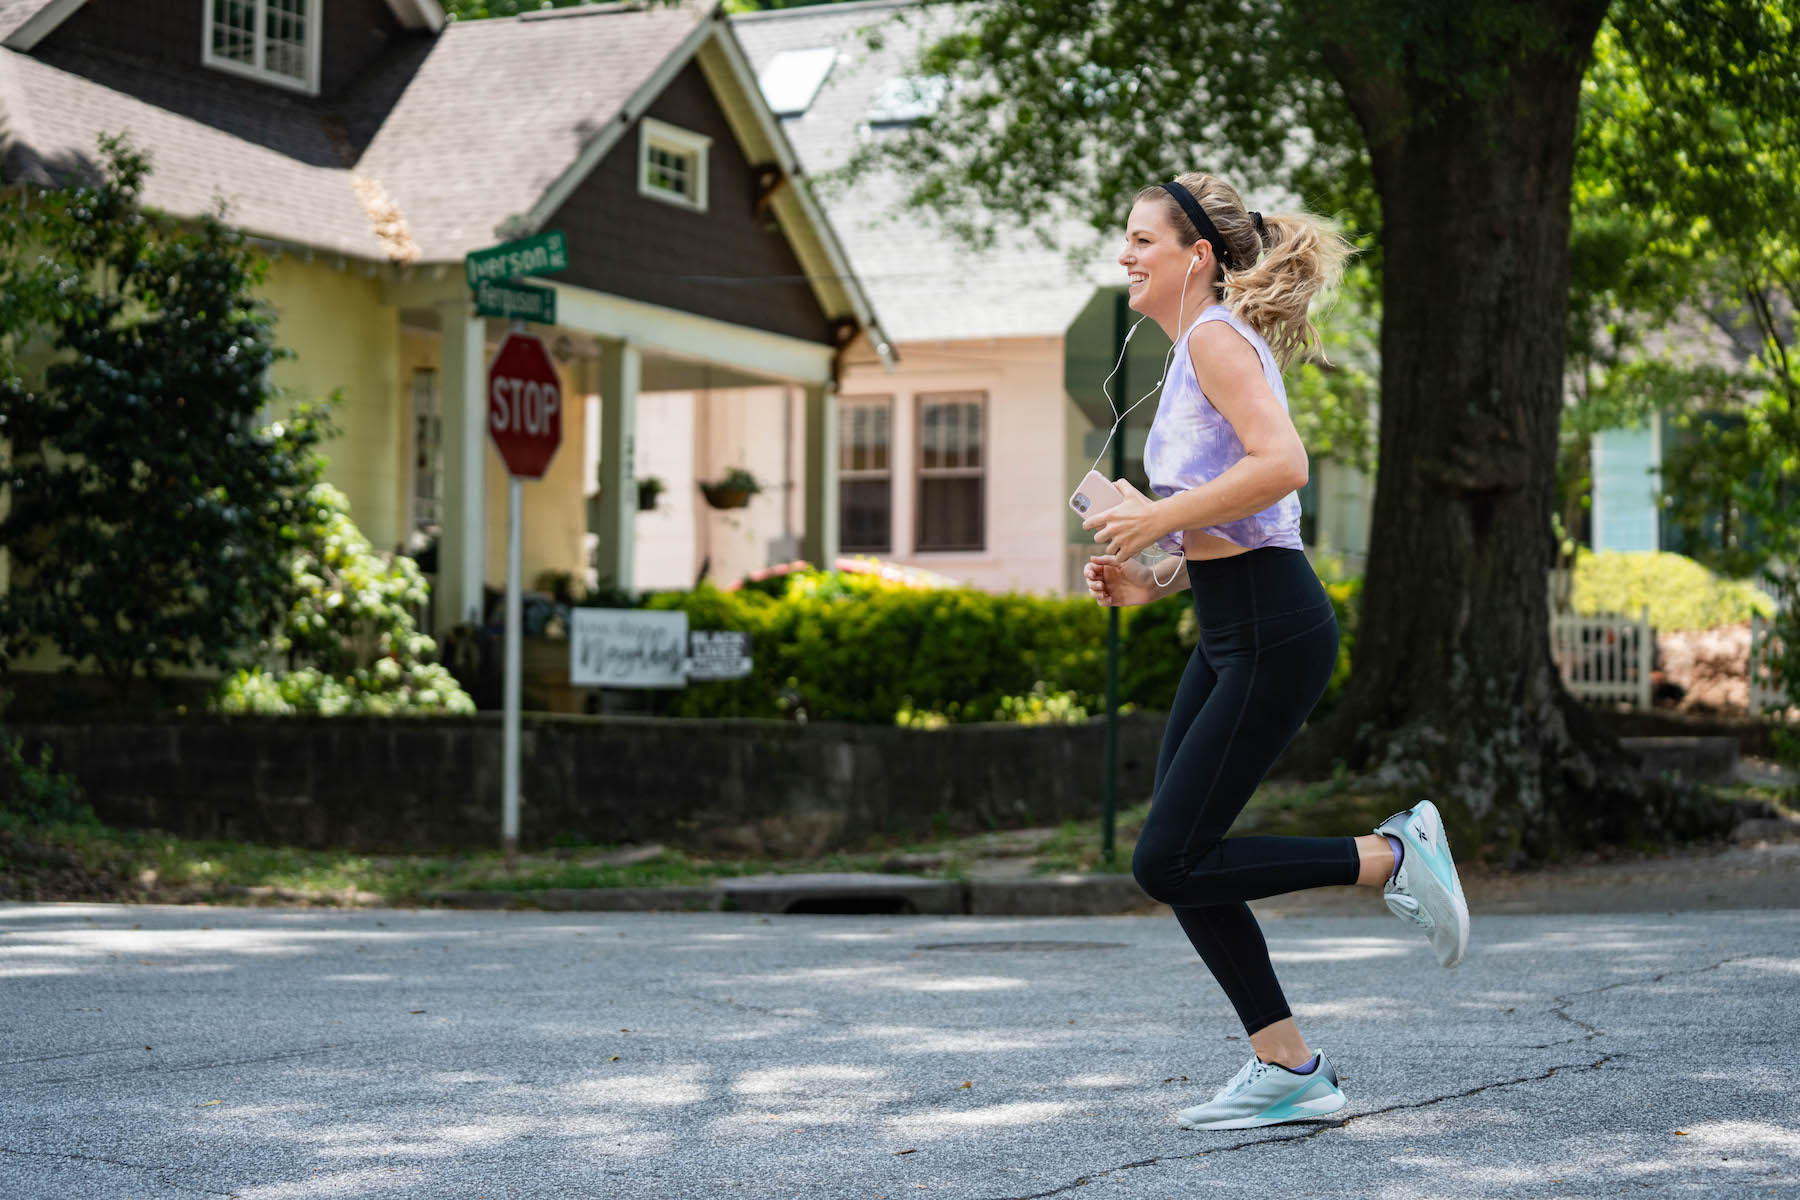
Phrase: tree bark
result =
(1454, 693)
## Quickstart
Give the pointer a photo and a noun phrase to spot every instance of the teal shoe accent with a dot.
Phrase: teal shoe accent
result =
(1264, 1094)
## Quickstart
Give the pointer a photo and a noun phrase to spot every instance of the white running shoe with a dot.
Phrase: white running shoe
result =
(1266, 1094)
(1425, 891)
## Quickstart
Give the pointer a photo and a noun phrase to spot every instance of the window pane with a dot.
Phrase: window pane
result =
(865, 508)
(950, 515)
(671, 171)
(234, 30)
(846, 440)
(285, 38)
(929, 454)
(972, 436)
(878, 455)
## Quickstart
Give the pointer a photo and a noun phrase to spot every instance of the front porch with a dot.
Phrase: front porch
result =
(582, 518)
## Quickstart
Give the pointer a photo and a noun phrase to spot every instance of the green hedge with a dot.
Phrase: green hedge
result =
(851, 647)
(1680, 593)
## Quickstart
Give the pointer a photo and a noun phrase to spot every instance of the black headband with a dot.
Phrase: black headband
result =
(1204, 224)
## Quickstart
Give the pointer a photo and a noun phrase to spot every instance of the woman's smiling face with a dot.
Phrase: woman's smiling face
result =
(1156, 264)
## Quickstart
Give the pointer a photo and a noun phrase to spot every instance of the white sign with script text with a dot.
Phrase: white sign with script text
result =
(626, 648)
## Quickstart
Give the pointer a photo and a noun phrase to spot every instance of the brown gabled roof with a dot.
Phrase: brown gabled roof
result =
(447, 137)
(268, 157)
(501, 108)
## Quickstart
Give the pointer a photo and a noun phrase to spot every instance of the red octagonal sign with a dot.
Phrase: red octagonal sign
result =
(524, 405)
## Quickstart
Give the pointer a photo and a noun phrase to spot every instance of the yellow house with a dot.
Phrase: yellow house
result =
(369, 145)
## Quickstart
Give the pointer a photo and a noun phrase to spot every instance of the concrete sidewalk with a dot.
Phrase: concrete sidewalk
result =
(269, 1054)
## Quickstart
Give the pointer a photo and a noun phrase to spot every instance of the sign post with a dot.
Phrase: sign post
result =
(525, 421)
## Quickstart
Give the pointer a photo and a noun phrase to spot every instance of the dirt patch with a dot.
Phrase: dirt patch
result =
(34, 870)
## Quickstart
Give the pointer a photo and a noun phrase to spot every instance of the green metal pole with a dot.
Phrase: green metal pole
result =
(1110, 788)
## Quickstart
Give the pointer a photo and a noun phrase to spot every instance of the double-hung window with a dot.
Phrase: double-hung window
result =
(276, 41)
(672, 164)
(952, 471)
(865, 475)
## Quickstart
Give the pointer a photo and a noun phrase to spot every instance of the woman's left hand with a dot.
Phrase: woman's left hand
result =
(1127, 528)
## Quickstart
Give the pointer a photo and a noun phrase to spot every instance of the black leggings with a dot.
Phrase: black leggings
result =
(1268, 643)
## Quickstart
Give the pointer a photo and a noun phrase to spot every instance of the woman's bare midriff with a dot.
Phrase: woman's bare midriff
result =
(1197, 545)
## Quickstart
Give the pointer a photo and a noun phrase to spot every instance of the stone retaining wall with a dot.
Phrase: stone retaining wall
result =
(749, 787)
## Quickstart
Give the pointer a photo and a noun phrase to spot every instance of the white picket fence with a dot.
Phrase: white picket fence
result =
(1764, 697)
(1605, 657)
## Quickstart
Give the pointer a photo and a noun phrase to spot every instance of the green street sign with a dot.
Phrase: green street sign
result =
(539, 254)
(515, 300)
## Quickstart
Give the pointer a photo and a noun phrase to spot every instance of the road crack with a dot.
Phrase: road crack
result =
(177, 1069)
(1319, 1128)
(1558, 1007)
(118, 1162)
(1590, 1031)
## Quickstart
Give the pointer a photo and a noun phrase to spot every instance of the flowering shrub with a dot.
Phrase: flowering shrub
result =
(1680, 593)
(347, 642)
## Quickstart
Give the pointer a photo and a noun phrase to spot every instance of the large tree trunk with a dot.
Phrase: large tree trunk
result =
(1453, 692)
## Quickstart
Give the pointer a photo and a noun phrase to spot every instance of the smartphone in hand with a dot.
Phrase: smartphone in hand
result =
(1095, 495)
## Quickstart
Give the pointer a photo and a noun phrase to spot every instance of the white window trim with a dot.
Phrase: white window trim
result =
(315, 21)
(681, 141)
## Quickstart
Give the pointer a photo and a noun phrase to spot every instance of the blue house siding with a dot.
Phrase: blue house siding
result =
(1626, 462)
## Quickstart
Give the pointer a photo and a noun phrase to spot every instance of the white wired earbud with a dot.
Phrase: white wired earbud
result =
(1119, 417)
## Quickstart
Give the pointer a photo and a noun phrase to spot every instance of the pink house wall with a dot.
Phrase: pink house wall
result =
(1031, 432)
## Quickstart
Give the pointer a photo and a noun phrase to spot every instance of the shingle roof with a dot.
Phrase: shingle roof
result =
(501, 107)
(457, 132)
(926, 284)
(14, 13)
(269, 157)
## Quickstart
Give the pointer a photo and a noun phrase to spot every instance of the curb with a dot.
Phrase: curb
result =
(1051, 896)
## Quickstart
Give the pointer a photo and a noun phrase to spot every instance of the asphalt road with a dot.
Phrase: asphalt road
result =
(264, 1054)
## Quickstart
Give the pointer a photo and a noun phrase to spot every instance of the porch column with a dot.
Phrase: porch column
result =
(621, 367)
(819, 544)
(462, 543)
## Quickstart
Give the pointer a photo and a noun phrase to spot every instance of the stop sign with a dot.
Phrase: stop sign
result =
(524, 405)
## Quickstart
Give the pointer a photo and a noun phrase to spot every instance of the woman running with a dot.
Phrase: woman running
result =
(1224, 461)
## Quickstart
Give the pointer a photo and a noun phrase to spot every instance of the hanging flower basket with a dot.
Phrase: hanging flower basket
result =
(724, 497)
(733, 491)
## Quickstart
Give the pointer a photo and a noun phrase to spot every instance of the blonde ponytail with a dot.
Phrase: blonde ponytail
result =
(1291, 258)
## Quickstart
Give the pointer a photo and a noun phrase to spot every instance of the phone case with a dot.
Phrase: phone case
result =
(1095, 495)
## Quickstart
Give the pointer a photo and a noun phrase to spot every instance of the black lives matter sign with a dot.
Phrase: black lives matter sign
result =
(718, 654)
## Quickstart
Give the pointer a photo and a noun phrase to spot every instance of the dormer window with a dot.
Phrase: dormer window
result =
(672, 164)
(275, 41)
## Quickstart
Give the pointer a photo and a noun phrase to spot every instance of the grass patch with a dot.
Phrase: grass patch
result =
(93, 862)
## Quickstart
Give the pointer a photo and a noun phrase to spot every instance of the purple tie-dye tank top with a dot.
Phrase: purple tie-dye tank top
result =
(1190, 443)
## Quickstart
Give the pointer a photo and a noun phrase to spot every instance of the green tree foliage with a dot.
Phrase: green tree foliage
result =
(348, 642)
(1449, 131)
(1692, 150)
(151, 512)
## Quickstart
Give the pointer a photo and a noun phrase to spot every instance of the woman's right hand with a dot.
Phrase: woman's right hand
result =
(1119, 585)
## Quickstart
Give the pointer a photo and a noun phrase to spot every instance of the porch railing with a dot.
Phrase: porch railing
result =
(1605, 657)
(1764, 695)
